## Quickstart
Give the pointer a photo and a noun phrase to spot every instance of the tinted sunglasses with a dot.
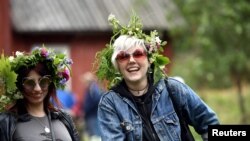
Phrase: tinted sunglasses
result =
(30, 84)
(124, 56)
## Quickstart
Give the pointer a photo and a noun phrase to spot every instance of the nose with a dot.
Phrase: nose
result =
(131, 58)
(37, 87)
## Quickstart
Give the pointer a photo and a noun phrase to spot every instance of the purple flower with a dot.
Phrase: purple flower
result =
(69, 61)
(63, 81)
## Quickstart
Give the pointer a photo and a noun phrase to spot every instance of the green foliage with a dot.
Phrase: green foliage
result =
(106, 71)
(8, 89)
(219, 32)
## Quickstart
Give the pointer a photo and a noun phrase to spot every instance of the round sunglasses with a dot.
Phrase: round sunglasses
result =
(43, 82)
(125, 57)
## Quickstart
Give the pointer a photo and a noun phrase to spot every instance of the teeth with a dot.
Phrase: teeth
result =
(39, 95)
(133, 69)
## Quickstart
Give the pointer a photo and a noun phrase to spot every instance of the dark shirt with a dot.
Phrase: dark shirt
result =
(144, 106)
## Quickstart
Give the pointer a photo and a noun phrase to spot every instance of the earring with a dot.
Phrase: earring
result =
(150, 70)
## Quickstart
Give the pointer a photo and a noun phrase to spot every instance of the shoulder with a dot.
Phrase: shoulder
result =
(6, 118)
(174, 81)
(179, 90)
(63, 112)
(5, 115)
(109, 97)
(59, 113)
(176, 84)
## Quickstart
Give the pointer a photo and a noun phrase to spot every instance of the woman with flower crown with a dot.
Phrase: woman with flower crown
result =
(138, 105)
(32, 116)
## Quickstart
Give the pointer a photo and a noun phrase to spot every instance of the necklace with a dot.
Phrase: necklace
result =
(46, 129)
(139, 92)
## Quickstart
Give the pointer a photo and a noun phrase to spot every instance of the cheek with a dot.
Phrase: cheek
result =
(26, 92)
(121, 66)
(145, 64)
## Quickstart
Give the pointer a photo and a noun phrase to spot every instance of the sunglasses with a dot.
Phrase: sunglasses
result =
(124, 56)
(43, 82)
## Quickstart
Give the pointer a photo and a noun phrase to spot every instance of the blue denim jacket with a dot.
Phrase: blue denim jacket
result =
(119, 119)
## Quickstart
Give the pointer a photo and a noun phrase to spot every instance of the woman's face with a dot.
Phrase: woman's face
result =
(133, 64)
(35, 87)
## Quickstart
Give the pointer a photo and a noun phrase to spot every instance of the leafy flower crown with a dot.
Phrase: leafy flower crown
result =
(57, 63)
(105, 68)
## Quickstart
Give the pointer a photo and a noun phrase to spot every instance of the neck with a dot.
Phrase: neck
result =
(139, 92)
(37, 111)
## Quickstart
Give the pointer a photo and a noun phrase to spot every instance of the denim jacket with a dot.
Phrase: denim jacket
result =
(119, 119)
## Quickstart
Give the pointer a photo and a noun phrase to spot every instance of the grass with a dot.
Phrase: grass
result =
(226, 104)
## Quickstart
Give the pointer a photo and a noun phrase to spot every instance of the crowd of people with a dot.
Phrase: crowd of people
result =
(140, 102)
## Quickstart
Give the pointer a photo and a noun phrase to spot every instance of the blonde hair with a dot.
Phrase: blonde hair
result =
(124, 43)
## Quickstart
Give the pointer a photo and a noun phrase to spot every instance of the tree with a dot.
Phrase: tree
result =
(220, 32)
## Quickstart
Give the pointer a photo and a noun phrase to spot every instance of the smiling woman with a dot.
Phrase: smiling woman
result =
(139, 105)
(39, 74)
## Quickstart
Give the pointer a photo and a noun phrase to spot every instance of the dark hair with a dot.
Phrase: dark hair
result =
(42, 69)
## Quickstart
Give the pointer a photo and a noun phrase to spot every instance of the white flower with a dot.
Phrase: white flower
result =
(18, 53)
(11, 58)
(111, 17)
(162, 67)
(158, 40)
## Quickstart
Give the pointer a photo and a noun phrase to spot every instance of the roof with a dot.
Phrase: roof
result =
(90, 15)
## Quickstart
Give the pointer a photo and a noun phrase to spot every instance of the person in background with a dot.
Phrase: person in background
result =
(92, 96)
(67, 100)
(33, 116)
(138, 105)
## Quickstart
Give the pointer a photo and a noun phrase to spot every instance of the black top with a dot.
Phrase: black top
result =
(144, 105)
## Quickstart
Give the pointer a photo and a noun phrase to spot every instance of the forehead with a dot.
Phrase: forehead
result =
(34, 75)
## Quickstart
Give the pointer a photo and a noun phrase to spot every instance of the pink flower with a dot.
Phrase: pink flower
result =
(44, 52)
(66, 74)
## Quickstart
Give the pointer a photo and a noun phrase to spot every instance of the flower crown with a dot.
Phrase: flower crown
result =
(105, 69)
(57, 63)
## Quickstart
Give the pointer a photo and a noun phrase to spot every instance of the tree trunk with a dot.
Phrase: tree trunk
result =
(241, 100)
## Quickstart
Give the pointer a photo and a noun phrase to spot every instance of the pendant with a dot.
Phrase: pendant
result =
(46, 129)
